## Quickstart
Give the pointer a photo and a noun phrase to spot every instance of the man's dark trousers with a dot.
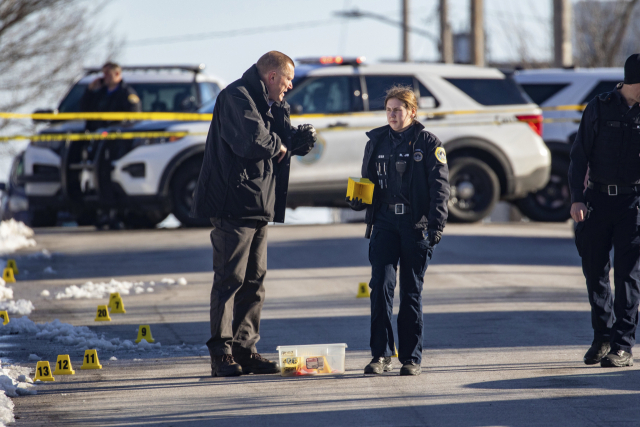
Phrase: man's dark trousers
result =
(394, 239)
(237, 295)
(613, 221)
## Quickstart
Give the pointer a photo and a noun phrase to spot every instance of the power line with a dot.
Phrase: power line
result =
(230, 33)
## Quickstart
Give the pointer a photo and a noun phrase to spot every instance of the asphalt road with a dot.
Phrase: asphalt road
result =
(506, 325)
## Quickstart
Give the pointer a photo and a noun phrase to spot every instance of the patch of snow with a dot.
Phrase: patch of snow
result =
(168, 281)
(21, 307)
(152, 283)
(15, 235)
(149, 289)
(68, 335)
(97, 290)
(170, 222)
(49, 270)
(182, 281)
(137, 360)
(45, 293)
(112, 358)
(138, 290)
(34, 357)
(14, 382)
(5, 293)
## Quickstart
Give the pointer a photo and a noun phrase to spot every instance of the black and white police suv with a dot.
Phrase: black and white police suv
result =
(491, 130)
(554, 88)
(140, 180)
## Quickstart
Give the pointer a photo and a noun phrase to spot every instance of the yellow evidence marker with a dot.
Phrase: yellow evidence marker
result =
(103, 314)
(144, 333)
(43, 371)
(63, 365)
(116, 306)
(363, 290)
(395, 349)
(90, 360)
(7, 275)
(12, 265)
(361, 188)
(4, 315)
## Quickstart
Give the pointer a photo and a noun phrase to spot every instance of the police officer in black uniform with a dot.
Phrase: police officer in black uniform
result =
(108, 93)
(408, 166)
(607, 148)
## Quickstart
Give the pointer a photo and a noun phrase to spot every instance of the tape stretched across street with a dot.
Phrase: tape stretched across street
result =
(191, 117)
(98, 136)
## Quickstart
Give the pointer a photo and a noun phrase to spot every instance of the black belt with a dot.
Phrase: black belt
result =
(614, 190)
(399, 208)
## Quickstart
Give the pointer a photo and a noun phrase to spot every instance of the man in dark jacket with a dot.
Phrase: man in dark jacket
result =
(108, 93)
(242, 186)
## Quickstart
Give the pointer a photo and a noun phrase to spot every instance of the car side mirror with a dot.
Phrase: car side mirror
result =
(296, 109)
(43, 111)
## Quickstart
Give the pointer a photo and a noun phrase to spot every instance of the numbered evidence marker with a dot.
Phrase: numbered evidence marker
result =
(63, 365)
(90, 360)
(7, 275)
(12, 265)
(4, 315)
(144, 333)
(103, 314)
(43, 371)
(115, 304)
(363, 290)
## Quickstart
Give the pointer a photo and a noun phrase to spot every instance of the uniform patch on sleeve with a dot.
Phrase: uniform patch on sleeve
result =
(441, 155)
(133, 98)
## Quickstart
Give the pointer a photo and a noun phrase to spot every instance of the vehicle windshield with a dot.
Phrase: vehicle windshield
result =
(160, 97)
(208, 107)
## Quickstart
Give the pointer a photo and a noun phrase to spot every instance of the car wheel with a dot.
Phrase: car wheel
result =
(553, 202)
(475, 190)
(183, 186)
(44, 218)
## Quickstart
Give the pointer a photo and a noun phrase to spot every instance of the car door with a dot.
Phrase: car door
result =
(331, 105)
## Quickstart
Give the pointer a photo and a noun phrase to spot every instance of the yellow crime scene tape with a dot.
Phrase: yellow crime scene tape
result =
(186, 117)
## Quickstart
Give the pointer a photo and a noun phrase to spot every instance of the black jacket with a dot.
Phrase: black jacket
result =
(123, 99)
(608, 143)
(240, 176)
(428, 177)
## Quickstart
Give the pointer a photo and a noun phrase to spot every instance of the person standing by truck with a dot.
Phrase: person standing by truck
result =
(108, 93)
(408, 166)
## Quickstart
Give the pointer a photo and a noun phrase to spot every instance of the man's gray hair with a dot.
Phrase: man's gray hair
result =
(273, 61)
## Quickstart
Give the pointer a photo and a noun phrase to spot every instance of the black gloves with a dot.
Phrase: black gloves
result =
(434, 236)
(304, 138)
(356, 204)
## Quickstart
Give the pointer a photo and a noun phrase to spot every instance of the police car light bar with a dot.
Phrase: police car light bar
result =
(331, 60)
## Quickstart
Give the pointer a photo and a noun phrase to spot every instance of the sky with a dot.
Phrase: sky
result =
(308, 28)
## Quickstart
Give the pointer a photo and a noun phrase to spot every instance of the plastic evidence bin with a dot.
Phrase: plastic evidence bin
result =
(317, 359)
(361, 188)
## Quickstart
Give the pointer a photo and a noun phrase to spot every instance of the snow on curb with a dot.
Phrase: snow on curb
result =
(21, 307)
(15, 235)
(14, 382)
(92, 290)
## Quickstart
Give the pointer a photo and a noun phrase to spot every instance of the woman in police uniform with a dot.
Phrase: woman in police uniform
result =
(408, 166)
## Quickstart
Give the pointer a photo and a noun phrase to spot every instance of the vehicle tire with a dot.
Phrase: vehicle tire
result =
(44, 218)
(143, 220)
(87, 217)
(183, 185)
(553, 202)
(475, 190)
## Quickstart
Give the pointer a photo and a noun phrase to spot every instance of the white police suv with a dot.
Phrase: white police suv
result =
(141, 180)
(490, 129)
(554, 88)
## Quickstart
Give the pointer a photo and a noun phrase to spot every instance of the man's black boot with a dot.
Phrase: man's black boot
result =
(617, 359)
(253, 363)
(225, 366)
(598, 350)
(410, 368)
(378, 365)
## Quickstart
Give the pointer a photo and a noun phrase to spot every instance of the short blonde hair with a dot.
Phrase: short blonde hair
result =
(404, 94)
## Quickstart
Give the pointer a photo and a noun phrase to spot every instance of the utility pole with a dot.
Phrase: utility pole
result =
(446, 38)
(477, 33)
(562, 48)
(405, 31)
